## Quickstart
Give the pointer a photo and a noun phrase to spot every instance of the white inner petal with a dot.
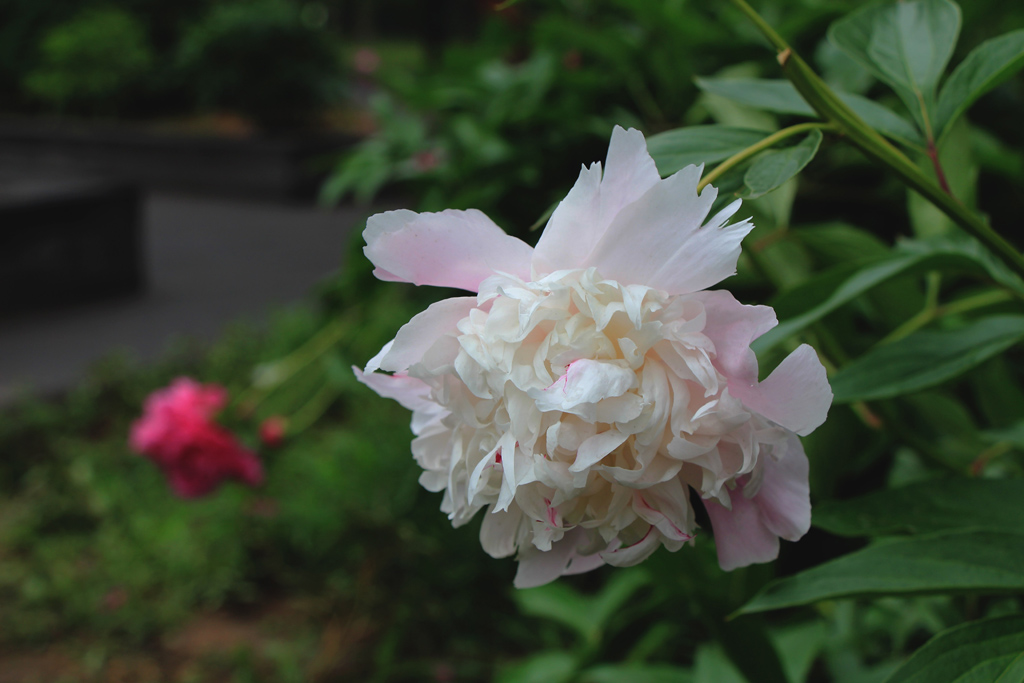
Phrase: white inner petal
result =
(579, 402)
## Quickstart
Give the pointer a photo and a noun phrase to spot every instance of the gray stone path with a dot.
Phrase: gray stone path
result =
(208, 262)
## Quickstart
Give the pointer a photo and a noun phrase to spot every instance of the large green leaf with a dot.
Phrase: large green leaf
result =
(773, 168)
(985, 651)
(905, 44)
(819, 296)
(781, 97)
(925, 359)
(985, 67)
(928, 506)
(836, 242)
(776, 95)
(675, 149)
(953, 561)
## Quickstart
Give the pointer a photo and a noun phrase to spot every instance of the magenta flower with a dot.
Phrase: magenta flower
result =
(593, 382)
(178, 433)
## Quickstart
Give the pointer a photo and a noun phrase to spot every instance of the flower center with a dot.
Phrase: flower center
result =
(571, 395)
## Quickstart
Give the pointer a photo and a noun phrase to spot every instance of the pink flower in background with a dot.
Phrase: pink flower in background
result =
(273, 431)
(177, 432)
(594, 381)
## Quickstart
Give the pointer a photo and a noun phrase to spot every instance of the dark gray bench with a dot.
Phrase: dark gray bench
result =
(64, 242)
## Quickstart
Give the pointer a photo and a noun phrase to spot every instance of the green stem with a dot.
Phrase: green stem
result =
(828, 105)
(743, 155)
(931, 313)
(303, 418)
(284, 369)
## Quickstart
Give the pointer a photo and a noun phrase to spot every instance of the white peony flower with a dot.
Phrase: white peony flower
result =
(592, 382)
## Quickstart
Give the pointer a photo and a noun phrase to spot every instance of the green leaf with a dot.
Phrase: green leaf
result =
(776, 95)
(546, 667)
(636, 673)
(956, 157)
(676, 149)
(905, 44)
(995, 156)
(819, 296)
(884, 120)
(839, 70)
(988, 65)
(928, 506)
(1013, 435)
(616, 593)
(557, 602)
(840, 242)
(985, 651)
(586, 615)
(954, 561)
(775, 167)
(781, 97)
(711, 665)
(924, 359)
(798, 646)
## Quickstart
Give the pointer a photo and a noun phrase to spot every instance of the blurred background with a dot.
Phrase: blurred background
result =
(182, 188)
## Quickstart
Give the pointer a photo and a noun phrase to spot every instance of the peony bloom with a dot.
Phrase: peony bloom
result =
(177, 432)
(594, 381)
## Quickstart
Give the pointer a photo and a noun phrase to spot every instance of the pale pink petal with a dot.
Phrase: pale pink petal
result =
(750, 532)
(667, 507)
(594, 449)
(661, 241)
(537, 568)
(586, 381)
(499, 531)
(580, 564)
(416, 337)
(586, 212)
(741, 536)
(629, 171)
(574, 227)
(634, 554)
(796, 395)
(448, 249)
(412, 393)
(784, 497)
(732, 326)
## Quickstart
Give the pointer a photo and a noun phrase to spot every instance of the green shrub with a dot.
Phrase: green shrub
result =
(91, 62)
(261, 60)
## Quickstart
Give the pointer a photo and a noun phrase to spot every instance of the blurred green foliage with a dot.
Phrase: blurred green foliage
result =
(95, 553)
(273, 62)
(91, 62)
(262, 59)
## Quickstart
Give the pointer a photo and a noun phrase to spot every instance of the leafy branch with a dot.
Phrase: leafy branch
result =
(830, 107)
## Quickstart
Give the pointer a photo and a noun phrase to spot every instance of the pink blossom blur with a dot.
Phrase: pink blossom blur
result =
(273, 431)
(178, 433)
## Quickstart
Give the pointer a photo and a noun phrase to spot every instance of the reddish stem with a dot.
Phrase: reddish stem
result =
(933, 154)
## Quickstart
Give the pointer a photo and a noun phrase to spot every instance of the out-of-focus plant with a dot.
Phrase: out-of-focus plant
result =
(922, 339)
(489, 122)
(913, 569)
(91, 62)
(260, 58)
